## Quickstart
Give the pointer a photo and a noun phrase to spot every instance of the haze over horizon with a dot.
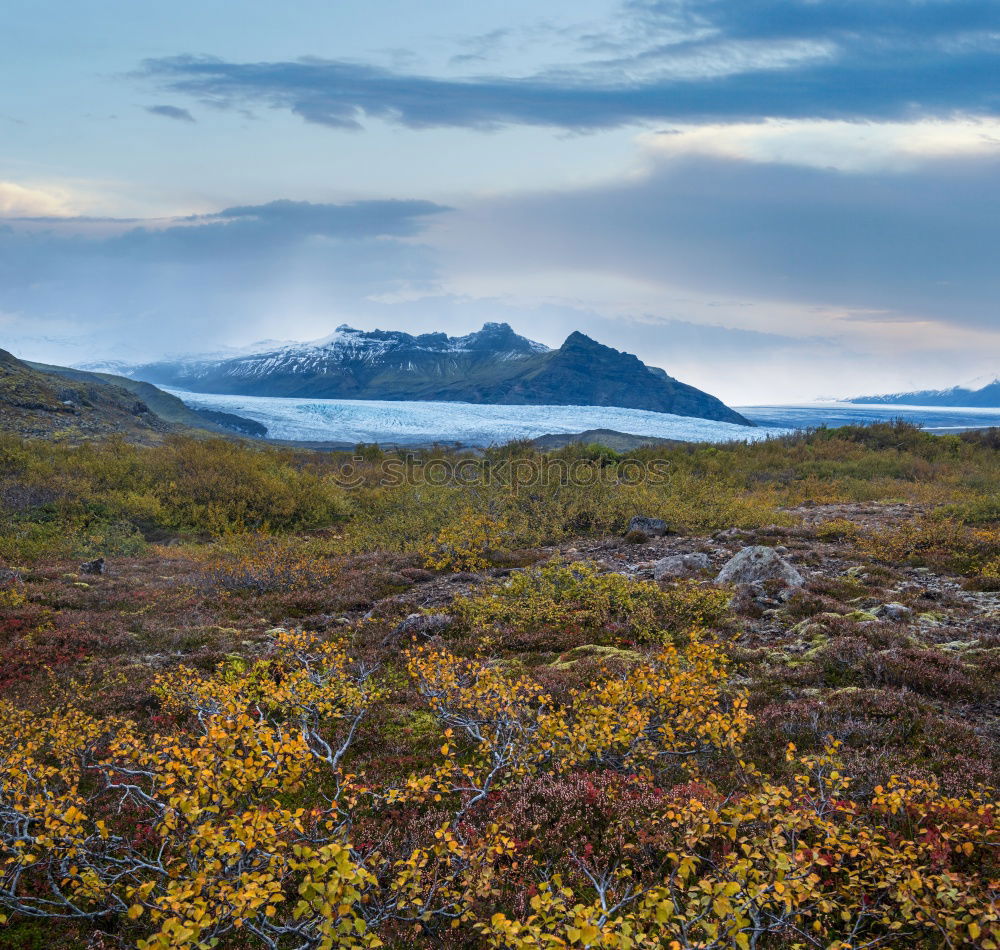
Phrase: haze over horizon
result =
(774, 200)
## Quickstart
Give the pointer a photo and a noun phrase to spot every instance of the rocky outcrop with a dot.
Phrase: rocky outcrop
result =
(156, 402)
(680, 565)
(757, 565)
(38, 404)
(650, 527)
(895, 612)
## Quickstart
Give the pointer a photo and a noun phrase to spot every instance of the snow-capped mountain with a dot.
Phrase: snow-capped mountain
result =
(985, 397)
(125, 367)
(493, 365)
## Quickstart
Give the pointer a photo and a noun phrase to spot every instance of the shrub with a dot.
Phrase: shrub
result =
(909, 867)
(991, 569)
(577, 596)
(11, 598)
(467, 544)
(260, 564)
(837, 529)
(243, 817)
(930, 672)
(190, 836)
(935, 541)
(104, 495)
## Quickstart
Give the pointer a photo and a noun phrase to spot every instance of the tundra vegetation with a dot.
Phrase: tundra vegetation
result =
(293, 710)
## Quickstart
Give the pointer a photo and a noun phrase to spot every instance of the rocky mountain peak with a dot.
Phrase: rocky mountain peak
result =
(491, 365)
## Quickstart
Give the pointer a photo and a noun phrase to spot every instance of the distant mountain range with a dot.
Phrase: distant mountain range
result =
(493, 365)
(987, 397)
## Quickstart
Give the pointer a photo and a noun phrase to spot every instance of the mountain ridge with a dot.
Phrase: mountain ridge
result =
(986, 397)
(493, 365)
(165, 405)
(42, 400)
(34, 403)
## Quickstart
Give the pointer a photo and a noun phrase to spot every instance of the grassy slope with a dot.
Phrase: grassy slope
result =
(167, 406)
(34, 403)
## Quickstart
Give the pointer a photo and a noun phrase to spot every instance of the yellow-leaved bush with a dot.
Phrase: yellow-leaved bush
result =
(247, 818)
(467, 543)
(578, 594)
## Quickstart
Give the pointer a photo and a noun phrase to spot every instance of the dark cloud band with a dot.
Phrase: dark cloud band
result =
(171, 112)
(861, 60)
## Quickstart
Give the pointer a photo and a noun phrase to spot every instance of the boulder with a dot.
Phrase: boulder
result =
(731, 534)
(895, 612)
(652, 527)
(680, 565)
(758, 564)
(97, 566)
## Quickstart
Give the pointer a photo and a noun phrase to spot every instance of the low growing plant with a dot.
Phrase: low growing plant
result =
(577, 595)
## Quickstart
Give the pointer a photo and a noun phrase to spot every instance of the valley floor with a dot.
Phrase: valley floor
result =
(358, 729)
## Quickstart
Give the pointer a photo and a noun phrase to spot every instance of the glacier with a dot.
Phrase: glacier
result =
(413, 423)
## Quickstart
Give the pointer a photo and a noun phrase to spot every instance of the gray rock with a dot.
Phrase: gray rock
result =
(97, 566)
(731, 534)
(757, 564)
(895, 612)
(423, 625)
(654, 527)
(680, 565)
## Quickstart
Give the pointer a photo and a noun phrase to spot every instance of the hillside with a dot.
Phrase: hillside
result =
(37, 399)
(606, 438)
(167, 406)
(493, 366)
(34, 403)
(987, 397)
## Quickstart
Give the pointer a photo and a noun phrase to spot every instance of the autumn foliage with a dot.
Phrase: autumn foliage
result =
(245, 818)
(503, 733)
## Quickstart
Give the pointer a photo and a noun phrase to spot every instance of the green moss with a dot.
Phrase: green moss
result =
(595, 651)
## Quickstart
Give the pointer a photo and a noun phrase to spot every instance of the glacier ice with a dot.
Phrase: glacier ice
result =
(410, 423)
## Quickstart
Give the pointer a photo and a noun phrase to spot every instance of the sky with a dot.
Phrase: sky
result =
(774, 200)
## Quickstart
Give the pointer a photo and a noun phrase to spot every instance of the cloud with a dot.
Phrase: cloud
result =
(901, 20)
(685, 60)
(918, 243)
(171, 112)
(825, 144)
(19, 201)
(480, 48)
(356, 219)
(191, 283)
